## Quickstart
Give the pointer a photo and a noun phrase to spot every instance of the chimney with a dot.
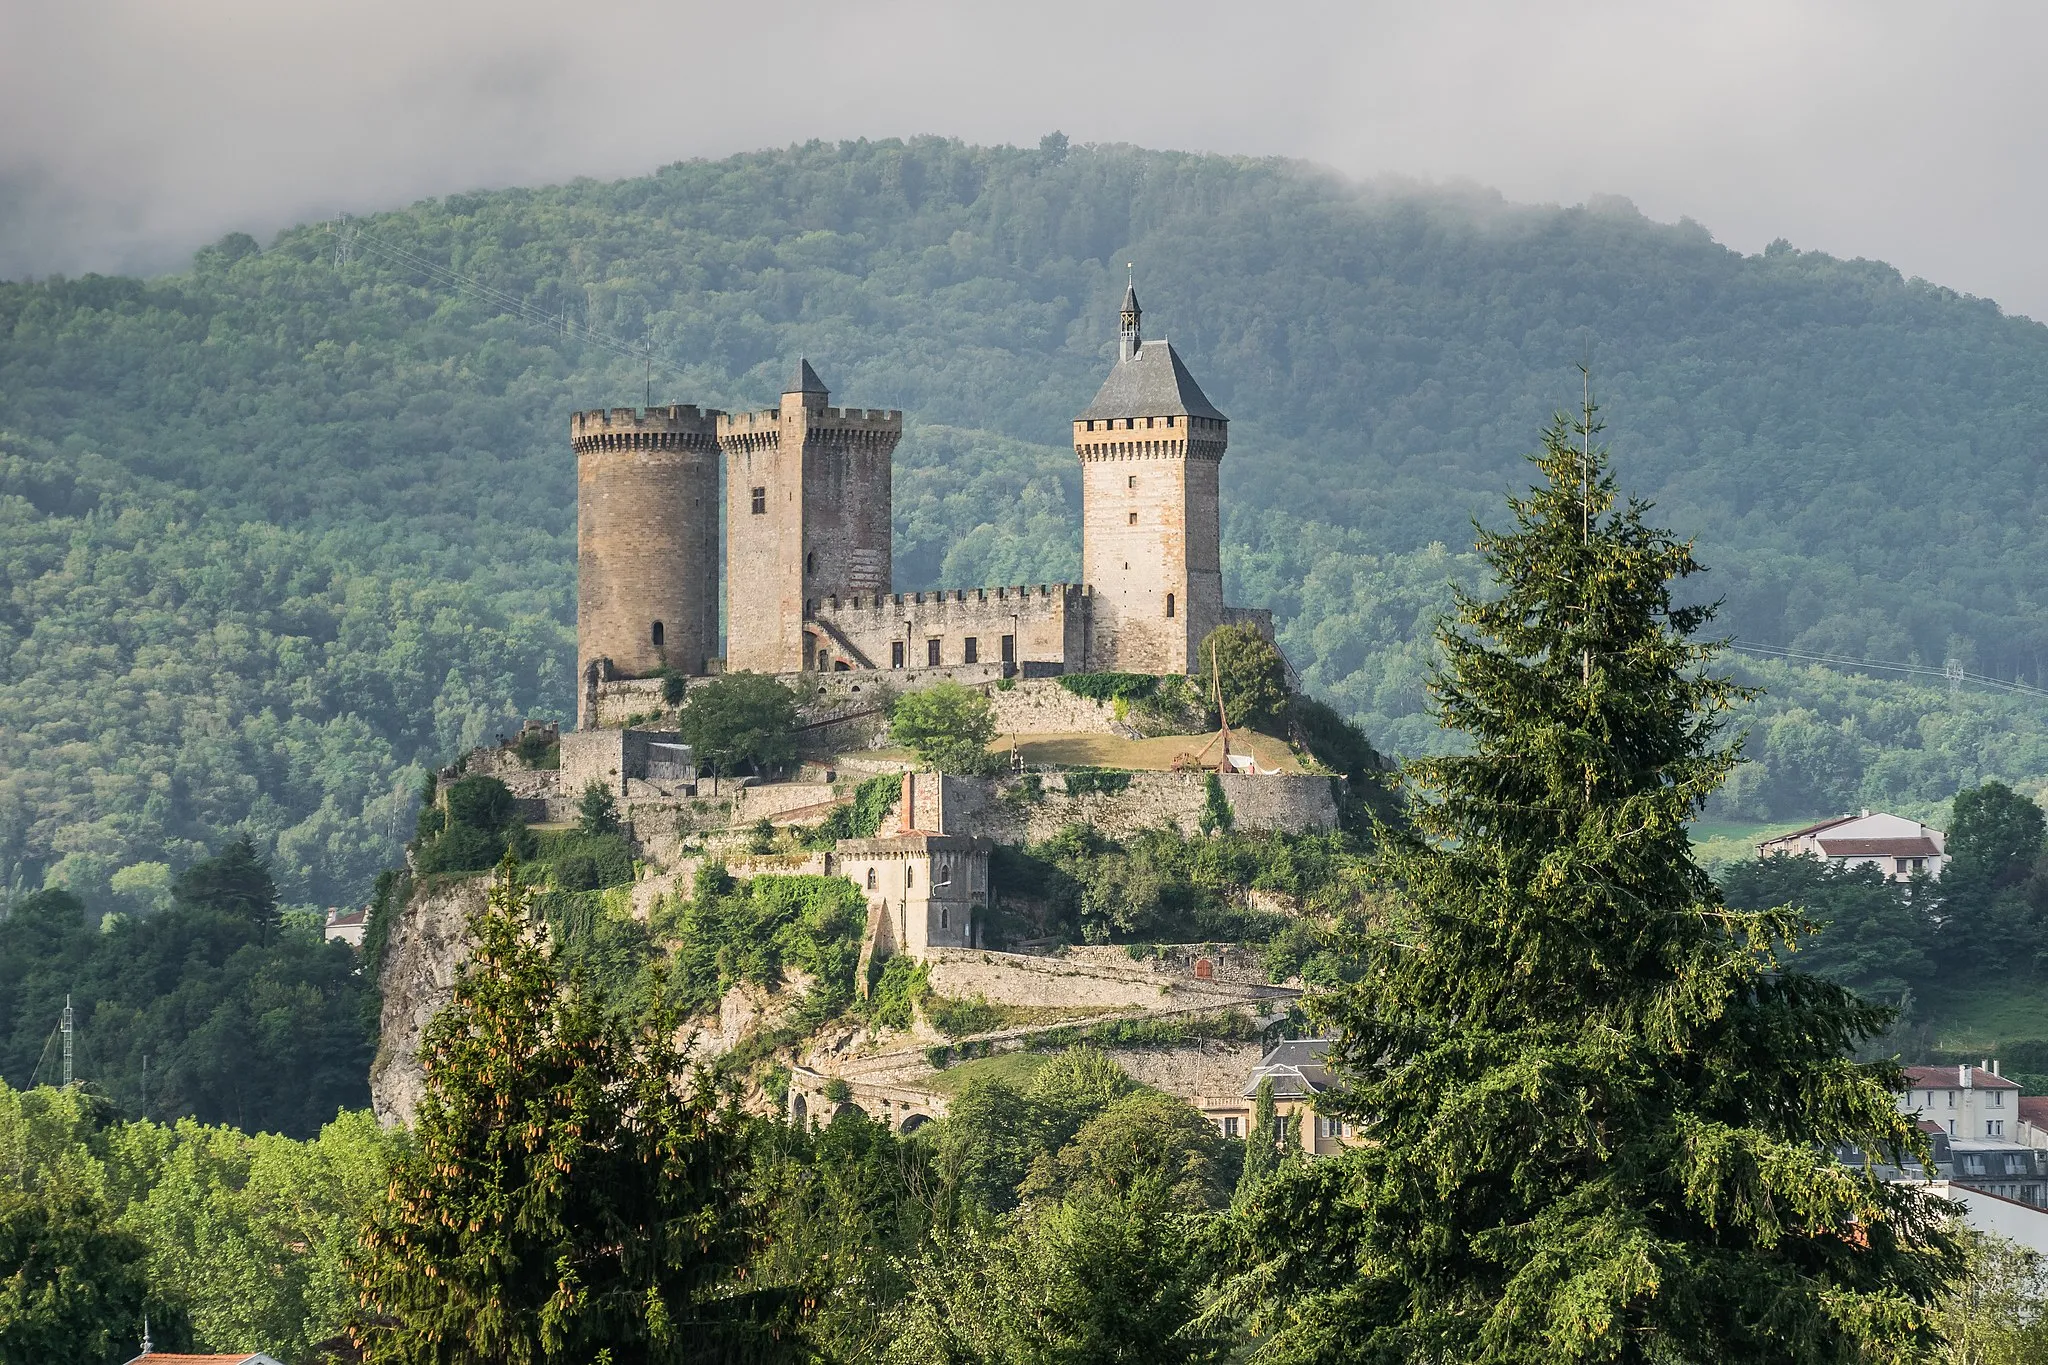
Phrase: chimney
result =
(1963, 1075)
(909, 821)
(1994, 1068)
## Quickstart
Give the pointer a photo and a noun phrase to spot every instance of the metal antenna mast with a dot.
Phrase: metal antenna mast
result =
(68, 1031)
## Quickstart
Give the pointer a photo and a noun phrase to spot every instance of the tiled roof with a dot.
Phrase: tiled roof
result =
(1813, 829)
(1152, 383)
(1880, 848)
(1948, 1078)
(238, 1358)
(2034, 1109)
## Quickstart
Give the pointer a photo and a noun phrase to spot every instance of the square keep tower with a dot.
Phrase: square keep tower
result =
(1151, 537)
(806, 518)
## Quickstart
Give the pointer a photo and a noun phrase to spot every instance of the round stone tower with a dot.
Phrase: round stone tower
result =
(646, 541)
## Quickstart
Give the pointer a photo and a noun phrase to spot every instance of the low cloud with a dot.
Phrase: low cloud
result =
(131, 132)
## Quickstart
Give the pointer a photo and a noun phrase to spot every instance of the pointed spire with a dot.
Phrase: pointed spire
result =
(1127, 325)
(805, 380)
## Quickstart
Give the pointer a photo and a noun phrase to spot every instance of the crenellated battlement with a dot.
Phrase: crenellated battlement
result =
(679, 426)
(1022, 593)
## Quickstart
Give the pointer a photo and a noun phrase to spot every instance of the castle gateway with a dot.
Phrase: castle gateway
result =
(807, 572)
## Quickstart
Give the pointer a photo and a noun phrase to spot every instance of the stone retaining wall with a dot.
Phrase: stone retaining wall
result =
(1069, 982)
(1001, 809)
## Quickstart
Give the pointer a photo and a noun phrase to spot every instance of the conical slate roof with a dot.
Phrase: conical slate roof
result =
(1130, 297)
(805, 380)
(1152, 383)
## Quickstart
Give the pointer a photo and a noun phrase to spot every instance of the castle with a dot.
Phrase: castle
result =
(808, 541)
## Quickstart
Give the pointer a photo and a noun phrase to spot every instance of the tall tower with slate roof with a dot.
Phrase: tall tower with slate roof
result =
(1150, 447)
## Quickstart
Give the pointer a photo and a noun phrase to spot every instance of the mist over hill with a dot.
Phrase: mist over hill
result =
(279, 531)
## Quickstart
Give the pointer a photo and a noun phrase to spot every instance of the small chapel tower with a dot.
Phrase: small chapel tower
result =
(1150, 446)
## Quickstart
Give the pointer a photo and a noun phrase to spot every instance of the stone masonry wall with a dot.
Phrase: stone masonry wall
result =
(995, 808)
(1061, 981)
(890, 632)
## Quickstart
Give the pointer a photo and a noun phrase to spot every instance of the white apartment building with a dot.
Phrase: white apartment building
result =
(1968, 1103)
(1896, 846)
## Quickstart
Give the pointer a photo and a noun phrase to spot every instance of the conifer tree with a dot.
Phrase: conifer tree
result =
(572, 1193)
(1262, 1146)
(1598, 1109)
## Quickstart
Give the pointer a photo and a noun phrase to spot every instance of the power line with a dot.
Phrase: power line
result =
(350, 237)
(1951, 673)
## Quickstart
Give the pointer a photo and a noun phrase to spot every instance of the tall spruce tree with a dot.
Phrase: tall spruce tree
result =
(1597, 1108)
(573, 1194)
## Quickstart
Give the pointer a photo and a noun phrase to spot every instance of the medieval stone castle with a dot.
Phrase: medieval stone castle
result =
(808, 543)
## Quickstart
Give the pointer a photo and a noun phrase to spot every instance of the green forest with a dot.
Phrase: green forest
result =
(285, 530)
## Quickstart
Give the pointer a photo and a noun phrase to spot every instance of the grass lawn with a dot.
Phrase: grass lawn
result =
(1986, 1015)
(1014, 1068)
(1717, 843)
(1146, 755)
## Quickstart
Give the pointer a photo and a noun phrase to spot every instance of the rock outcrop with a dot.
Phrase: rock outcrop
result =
(427, 947)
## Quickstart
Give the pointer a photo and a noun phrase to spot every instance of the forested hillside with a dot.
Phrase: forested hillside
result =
(282, 529)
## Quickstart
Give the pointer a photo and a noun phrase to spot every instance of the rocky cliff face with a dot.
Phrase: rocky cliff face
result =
(427, 947)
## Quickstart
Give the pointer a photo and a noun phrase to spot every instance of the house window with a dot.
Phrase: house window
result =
(931, 653)
(824, 659)
(895, 654)
(760, 501)
(1994, 1128)
(1133, 518)
(657, 634)
(1169, 421)
(1951, 1127)
(1169, 606)
(873, 879)
(1998, 1099)
(1230, 1126)
(1009, 649)
(971, 650)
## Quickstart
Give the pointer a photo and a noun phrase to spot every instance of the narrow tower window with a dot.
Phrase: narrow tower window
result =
(1133, 518)
(657, 635)
(1131, 481)
(811, 562)
(760, 501)
(871, 879)
(1169, 606)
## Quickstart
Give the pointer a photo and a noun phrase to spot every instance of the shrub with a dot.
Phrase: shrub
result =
(893, 997)
(1127, 687)
(837, 1090)
(1217, 817)
(596, 812)
(949, 726)
(1102, 781)
(958, 1018)
(482, 803)
(862, 817)
(582, 861)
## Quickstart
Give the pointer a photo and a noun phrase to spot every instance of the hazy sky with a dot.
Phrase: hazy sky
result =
(132, 131)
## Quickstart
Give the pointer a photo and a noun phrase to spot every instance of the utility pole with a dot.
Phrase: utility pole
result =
(66, 1026)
